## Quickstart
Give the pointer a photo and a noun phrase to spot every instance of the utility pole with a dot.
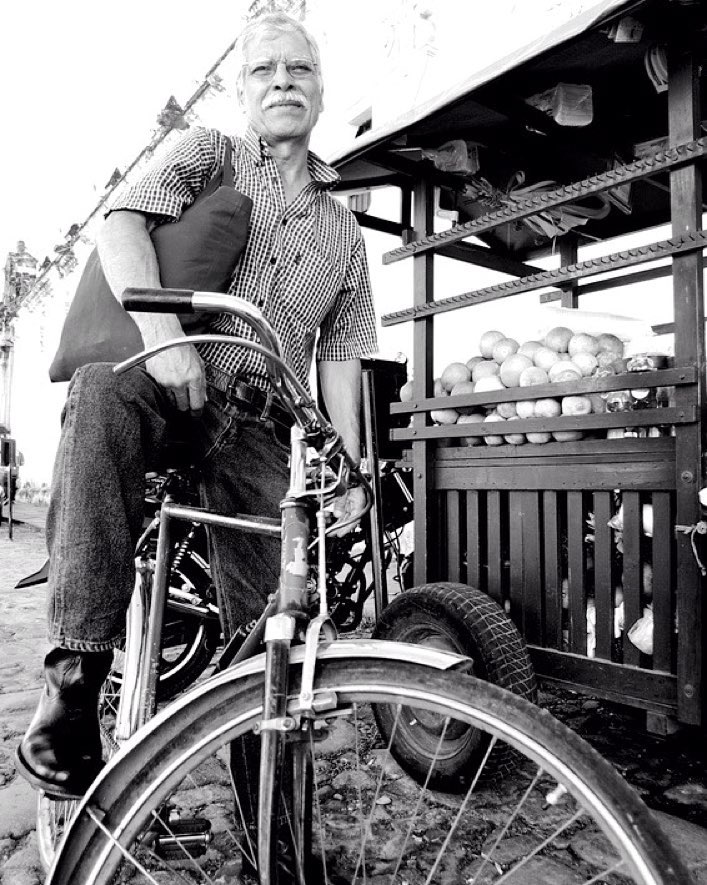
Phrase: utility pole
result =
(20, 277)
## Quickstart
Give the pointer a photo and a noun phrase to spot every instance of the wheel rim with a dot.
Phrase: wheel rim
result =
(489, 847)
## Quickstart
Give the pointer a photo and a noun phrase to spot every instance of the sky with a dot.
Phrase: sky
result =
(82, 81)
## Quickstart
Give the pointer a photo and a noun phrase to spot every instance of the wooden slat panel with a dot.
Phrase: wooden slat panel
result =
(533, 586)
(494, 556)
(663, 562)
(553, 575)
(637, 475)
(473, 540)
(576, 574)
(631, 571)
(650, 689)
(603, 574)
(516, 556)
(453, 536)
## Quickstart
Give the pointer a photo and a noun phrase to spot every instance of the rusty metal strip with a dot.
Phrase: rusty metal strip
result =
(560, 276)
(594, 184)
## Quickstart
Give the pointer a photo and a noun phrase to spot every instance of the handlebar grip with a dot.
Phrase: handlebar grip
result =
(158, 300)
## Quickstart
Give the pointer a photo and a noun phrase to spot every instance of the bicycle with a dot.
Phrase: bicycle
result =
(191, 631)
(157, 811)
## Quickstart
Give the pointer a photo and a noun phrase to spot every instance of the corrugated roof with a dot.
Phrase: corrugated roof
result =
(593, 13)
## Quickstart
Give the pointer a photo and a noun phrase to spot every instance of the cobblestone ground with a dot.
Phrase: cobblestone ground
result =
(671, 773)
(22, 647)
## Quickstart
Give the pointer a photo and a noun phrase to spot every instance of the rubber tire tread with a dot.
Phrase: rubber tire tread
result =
(503, 654)
(209, 707)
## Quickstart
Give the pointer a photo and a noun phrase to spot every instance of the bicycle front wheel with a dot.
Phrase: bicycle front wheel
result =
(163, 811)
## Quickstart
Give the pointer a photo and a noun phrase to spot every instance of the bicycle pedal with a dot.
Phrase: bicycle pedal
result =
(179, 838)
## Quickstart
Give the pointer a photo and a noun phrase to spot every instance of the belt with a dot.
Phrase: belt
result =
(248, 397)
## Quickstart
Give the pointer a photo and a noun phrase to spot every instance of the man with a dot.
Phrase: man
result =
(304, 266)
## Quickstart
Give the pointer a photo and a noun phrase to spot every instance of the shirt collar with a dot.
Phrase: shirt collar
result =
(323, 175)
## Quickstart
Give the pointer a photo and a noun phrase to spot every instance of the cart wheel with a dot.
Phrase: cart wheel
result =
(462, 619)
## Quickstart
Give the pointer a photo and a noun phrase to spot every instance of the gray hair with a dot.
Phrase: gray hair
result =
(274, 21)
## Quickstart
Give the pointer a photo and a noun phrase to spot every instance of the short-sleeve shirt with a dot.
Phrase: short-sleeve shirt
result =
(304, 264)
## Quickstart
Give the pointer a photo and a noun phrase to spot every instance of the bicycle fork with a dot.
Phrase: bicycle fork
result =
(279, 633)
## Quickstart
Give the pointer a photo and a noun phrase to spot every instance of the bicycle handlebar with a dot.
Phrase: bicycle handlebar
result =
(293, 395)
(159, 300)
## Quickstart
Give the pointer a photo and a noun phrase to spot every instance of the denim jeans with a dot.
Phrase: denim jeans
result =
(114, 430)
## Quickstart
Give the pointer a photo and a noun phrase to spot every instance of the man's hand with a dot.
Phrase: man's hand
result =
(347, 506)
(181, 372)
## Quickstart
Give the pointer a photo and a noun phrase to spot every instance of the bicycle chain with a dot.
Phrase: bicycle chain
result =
(561, 276)
(594, 184)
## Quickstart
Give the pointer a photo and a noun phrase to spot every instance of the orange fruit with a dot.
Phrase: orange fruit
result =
(567, 376)
(525, 408)
(514, 439)
(460, 388)
(561, 367)
(530, 348)
(605, 358)
(487, 342)
(567, 435)
(453, 374)
(539, 436)
(473, 418)
(512, 367)
(444, 416)
(484, 369)
(545, 358)
(587, 363)
(558, 339)
(507, 410)
(504, 348)
(472, 361)
(583, 343)
(406, 392)
(532, 375)
(576, 405)
(547, 408)
(493, 439)
(607, 341)
(489, 382)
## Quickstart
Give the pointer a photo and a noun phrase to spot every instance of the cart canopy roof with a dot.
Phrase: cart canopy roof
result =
(587, 96)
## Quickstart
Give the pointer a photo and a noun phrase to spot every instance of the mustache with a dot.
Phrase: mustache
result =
(290, 98)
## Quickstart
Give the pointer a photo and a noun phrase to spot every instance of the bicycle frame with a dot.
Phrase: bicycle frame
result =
(277, 625)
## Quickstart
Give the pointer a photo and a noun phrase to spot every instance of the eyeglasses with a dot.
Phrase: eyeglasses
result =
(266, 68)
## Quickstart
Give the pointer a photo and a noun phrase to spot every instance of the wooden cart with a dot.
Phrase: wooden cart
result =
(513, 520)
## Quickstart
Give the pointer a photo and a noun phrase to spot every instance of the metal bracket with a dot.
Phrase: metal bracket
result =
(321, 625)
(280, 723)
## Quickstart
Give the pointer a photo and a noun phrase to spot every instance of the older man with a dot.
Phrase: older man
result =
(304, 266)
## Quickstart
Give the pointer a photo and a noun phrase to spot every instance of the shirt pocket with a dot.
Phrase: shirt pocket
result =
(308, 284)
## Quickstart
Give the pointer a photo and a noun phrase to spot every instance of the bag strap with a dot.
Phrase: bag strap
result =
(227, 177)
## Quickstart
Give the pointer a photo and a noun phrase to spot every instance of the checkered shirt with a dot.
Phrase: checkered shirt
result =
(304, 264)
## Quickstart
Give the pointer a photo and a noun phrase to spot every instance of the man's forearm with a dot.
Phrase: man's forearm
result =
(341, 389)
(128, 259)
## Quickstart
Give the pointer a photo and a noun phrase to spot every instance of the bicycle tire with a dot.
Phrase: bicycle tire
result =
(169, 756)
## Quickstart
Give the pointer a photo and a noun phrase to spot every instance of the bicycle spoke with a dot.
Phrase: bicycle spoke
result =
(389, 803)
(506, 826)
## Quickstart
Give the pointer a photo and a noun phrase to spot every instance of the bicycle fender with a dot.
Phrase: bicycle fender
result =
(383, 649)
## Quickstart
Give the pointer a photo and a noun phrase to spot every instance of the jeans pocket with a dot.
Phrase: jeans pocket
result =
(279, 434)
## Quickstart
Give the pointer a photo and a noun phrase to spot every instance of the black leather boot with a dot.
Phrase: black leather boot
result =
(61, 751)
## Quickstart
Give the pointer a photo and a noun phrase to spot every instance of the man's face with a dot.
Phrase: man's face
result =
(283, 107)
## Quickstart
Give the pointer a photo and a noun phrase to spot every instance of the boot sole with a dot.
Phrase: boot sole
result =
(72, 788)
